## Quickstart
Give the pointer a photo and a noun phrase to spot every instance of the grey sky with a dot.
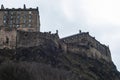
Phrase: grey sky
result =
(100, 17)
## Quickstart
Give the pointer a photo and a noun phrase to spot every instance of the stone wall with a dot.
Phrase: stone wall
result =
(75, 42)
(1, 18)
(12, 38)
(31, 39)
(7, 38)
(80, 43)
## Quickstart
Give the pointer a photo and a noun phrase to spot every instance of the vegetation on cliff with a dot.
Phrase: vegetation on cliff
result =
(39, 63)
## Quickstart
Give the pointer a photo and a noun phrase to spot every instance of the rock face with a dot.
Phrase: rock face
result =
(79, 57)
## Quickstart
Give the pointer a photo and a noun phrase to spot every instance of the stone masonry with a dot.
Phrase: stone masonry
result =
(76, 42)
(8, 38)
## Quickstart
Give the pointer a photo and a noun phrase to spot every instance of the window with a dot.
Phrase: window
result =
(11, 13)
(30, 20)
(30, 12)
(11, 17)
(4, 21)
(30, 16)
(30, 30)
(10, 25)
(18, 12)
(29, 25)
(18, 16)
(17, 21)
(5, 12)
(23, 25)
(4, 17)
(11, 22)
(18, 26)
(24, 13)
(24, 21)
(24, 16)
(7, 40)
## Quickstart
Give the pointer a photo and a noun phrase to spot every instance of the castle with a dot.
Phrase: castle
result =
(20, 28)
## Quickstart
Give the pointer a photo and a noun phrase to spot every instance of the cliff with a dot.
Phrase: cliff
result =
(77, 57)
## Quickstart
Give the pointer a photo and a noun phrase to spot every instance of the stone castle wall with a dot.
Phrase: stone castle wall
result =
(80, 43)
(76, 42)
(7, 38)
(31, 39)
(12, 38)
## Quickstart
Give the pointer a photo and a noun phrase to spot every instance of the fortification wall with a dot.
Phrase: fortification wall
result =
(31, 39)
(75, 42)
(7, 38)
(12, 38)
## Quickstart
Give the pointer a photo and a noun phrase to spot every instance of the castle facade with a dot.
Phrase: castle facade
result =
(26, 19)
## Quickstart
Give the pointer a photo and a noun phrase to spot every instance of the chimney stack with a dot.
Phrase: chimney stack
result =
(56, 31)
(80, 31)
(2, 7)
(24, 6)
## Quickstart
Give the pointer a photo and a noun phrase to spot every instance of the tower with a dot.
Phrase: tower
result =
(26, 19)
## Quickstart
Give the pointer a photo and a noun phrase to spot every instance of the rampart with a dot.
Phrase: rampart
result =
(31, 39)
(75, 42)
(12, 38)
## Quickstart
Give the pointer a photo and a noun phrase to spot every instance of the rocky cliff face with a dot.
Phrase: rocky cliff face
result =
(56, 60)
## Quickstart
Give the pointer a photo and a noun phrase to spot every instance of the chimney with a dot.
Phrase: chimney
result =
(37, 8)
(80, 31)
(24, 6)
(2, 7)
(56, 31)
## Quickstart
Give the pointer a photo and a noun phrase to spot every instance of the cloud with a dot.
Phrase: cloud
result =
(102, 11)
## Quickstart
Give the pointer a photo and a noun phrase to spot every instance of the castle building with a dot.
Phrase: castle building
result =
(20, 28)
(14, 20)
(26, 19)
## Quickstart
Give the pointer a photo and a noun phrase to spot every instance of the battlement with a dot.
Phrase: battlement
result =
(18, 9)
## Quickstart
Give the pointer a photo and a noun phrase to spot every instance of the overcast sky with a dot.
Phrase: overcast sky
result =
(100, 17)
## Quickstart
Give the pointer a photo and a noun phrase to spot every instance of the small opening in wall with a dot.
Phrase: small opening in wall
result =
(7, 40)
(25, 35)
